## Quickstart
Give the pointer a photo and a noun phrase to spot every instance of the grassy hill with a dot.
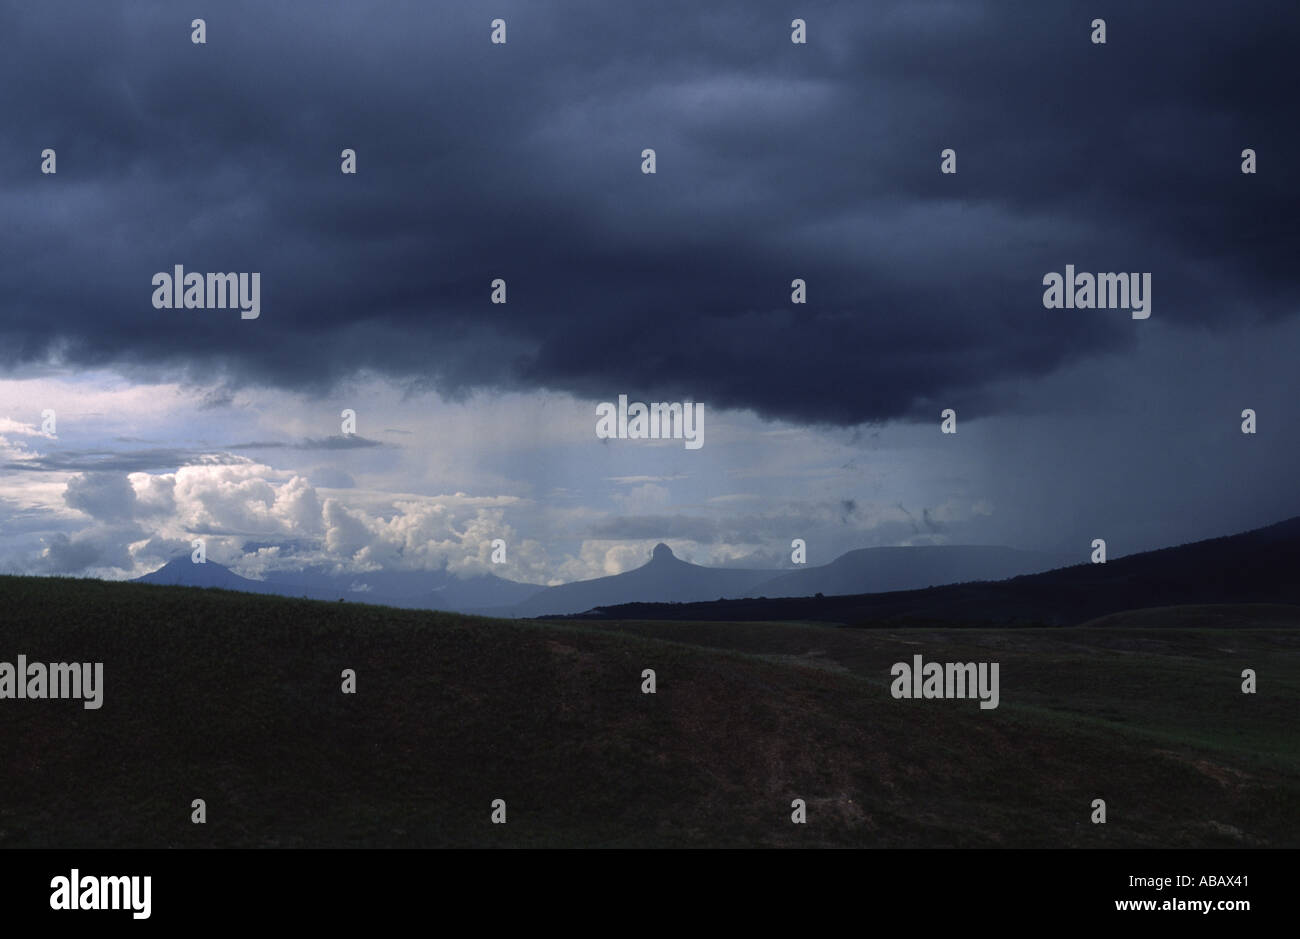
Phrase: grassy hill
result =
(235, 699)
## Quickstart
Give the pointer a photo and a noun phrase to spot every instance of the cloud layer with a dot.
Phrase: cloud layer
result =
(522, 161)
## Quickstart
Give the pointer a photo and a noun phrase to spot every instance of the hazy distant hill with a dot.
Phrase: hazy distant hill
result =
(427, 590)
(182, 572)
(668, 579)
(665, 578)
(877, 570)
(1261, 566)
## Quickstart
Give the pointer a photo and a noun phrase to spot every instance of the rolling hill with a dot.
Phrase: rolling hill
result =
(235, 698)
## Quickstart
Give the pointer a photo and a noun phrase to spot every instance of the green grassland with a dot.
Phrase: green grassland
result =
(236, 699)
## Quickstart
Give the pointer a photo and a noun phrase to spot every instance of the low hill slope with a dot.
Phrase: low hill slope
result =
(235, 699)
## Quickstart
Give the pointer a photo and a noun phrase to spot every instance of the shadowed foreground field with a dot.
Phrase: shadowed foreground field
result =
(236, 699)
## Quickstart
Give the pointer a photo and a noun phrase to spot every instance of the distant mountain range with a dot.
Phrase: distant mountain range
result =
(668, 579)
(421, 590)
(664, 578)
(1260, 566)
(878, 570)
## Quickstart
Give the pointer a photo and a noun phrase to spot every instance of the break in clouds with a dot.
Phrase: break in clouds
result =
(121, 510)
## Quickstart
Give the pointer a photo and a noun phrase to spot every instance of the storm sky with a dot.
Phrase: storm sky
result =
(522, 161)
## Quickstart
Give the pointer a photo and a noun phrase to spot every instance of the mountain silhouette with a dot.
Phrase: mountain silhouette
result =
(425, 590)
(664, 578)
(185, 573)
(878, 570)
(1252, 567)
(668, 579)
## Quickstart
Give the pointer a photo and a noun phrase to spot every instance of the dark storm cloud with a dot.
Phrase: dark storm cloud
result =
(522, 161)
